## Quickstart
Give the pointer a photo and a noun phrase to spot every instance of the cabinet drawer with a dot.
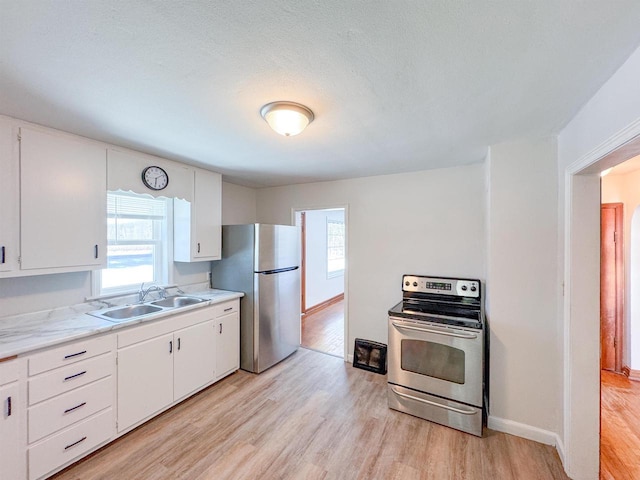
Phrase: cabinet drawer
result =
(64, 410)
(61, 380)
(70, 444)
(8, 371)
(71, 353)
(226, 308)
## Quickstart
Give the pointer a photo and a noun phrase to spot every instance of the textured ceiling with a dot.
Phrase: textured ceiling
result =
(396, 86)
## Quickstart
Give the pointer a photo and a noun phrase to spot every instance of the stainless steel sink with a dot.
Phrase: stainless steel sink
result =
(177, 301)
(131, 311)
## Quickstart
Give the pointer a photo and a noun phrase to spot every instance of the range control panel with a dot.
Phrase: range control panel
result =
(442, 286)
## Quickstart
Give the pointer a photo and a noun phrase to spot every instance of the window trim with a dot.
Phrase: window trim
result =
(336, 273)
(165, 277)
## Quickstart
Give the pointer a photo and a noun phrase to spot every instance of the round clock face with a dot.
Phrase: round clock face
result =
(155, 178)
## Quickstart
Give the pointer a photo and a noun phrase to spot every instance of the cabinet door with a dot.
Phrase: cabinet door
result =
(63, 197)
(195, 357)
(9, 216)
(228, 344)
(145, 379)
(12, 460)
(208, 215)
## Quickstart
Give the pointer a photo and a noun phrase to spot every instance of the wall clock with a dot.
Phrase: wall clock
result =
(155, 178)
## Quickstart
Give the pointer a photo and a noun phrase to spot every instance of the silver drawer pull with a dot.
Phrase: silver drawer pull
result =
(469, 336)
(75, 354)
(228, 309)
(75, 408)
(74, 376)
(75, 443)
(434, 404)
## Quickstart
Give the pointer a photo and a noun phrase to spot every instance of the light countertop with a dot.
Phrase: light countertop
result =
(20, 334)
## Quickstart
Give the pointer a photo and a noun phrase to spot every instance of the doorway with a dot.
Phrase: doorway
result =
(323, 251)
(619, 300)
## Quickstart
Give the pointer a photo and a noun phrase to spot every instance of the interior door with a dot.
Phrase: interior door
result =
(611, 286)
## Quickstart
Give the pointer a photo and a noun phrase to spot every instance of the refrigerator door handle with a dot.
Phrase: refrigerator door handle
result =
(278, 270)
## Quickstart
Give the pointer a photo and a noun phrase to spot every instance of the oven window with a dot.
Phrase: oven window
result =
(433, 359)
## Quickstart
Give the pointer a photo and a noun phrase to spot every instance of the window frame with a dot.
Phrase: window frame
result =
(335, 273)
(162, 272)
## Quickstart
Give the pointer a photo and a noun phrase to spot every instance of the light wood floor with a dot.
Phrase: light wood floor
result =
(312, 416)
(324, 330)
(620, 428)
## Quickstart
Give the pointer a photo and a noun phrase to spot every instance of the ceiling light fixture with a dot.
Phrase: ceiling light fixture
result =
(287, 118)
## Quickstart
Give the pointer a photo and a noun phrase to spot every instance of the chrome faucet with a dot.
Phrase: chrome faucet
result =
(153, 288)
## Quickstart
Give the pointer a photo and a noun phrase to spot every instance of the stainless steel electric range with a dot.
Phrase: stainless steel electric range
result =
(437, 365)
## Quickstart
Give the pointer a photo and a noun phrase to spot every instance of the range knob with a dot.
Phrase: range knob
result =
(464, 288)
(473, 288)
(415, 284)
(407, 283)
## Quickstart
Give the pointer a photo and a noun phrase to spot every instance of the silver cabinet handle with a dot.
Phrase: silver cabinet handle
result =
(170, 346)
(468, 336)
(178, 343)
(9, 406)
(434, 404)
(228, 309)
(220, 328)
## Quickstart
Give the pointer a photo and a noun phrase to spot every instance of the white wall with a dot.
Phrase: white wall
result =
(238, 204)
(522, 290)
(601, 125)
(318, 286)
(429, 222)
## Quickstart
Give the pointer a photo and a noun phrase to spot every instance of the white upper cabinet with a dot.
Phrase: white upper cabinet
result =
(198, 224)
(9, 214)
(63, 196)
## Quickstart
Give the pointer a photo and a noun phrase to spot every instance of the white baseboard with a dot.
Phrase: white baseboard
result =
(523, 430)
(349, 358)
(560, 449)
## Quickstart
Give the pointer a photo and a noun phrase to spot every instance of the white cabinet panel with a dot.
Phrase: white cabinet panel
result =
(62, 201)
(12, 456)
(9, 214)
(198, 224)
(145, 379)
(195, 358)
(227, 344)
(69, 444)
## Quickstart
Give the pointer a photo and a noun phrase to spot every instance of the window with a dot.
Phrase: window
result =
(136, 242)
(335, 248)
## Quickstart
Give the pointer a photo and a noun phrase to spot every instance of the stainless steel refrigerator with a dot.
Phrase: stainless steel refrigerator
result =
(263, 261)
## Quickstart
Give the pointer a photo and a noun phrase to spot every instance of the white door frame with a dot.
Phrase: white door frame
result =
(581, 447)
(295, 210)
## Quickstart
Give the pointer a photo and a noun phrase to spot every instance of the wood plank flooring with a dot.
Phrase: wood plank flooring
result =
(619, 427)
(324, 330)
(312, 416)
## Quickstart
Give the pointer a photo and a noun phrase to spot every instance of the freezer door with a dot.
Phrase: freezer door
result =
(276, 247)
(277, 317)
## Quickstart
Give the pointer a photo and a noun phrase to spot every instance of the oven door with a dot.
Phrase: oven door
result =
(436, 359)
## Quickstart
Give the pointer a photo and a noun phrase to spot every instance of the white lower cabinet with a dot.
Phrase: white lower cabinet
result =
(70, 413)
(12, 454)
(60, 404)
(195, 359)
(145, 379)
(227, 344)
(69, 444)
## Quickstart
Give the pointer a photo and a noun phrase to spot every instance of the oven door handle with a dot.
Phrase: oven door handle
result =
(469, 336)
(434, 404)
